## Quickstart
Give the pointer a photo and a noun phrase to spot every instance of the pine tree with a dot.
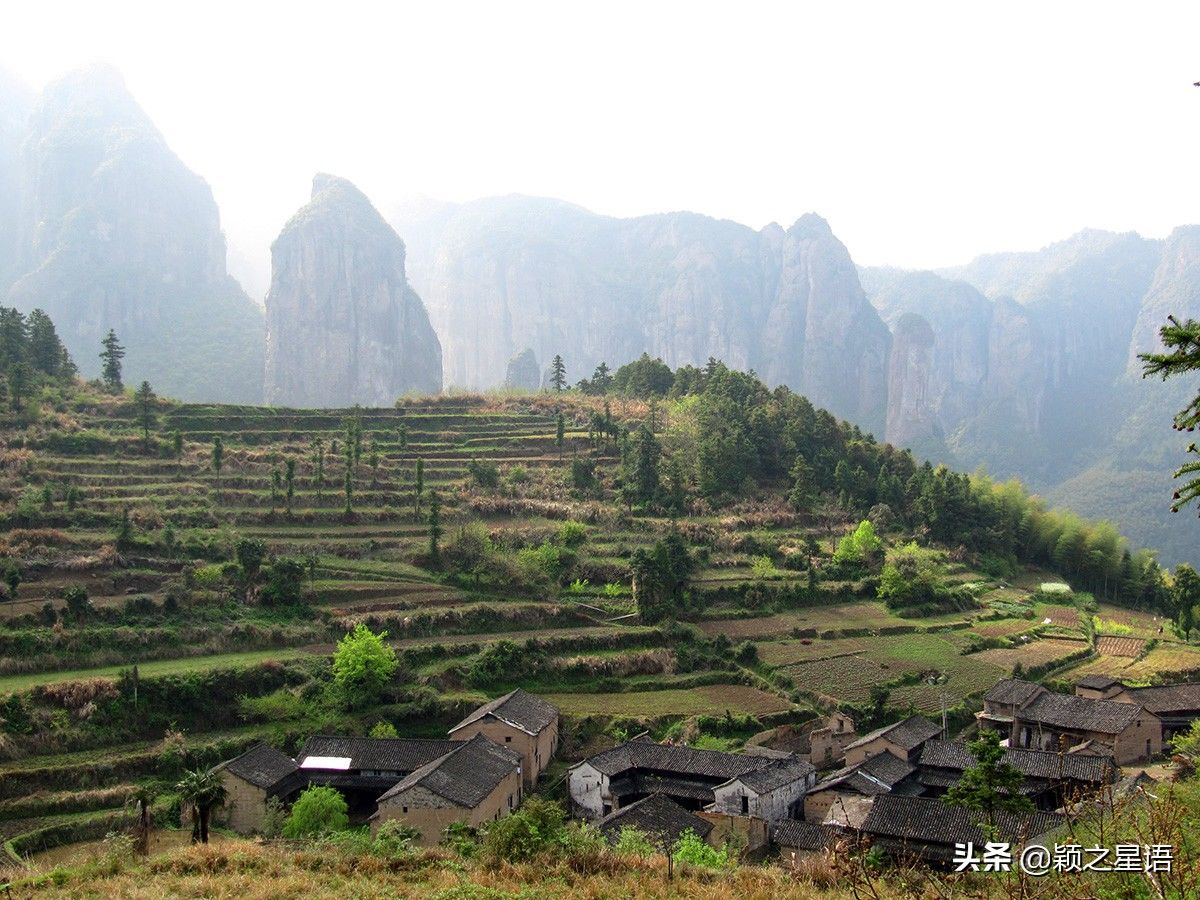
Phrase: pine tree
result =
(289, 479)
(111, 357)
(803, 493)
(558, 373)
(177, 446)
(144, 401)
(435, 526)
(46, 352)
(1182, 339)
(276, 487)
(991, 785)
(318, 460)
(560, 433)
(218, 459)
(19, 377)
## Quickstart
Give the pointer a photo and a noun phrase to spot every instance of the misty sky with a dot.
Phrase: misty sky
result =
(925, 132)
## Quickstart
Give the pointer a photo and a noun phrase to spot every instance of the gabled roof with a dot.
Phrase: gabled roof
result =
(805, 835)
(379, 754)
(658, 816)
(1097, 682)
(1013, 692)
(645, 754)
(907, 734)
(1166, 699)
(262, 765)
(921, 820)
(465, 775)
(779, 772)
(1081, 714)
(1043, 764)
(877, 775)
(518, 708)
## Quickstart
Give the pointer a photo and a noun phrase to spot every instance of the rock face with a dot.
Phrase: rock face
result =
(15, 105)
(523, 373)
(509, 273)
(115, 232)
(343, 325)
(1027, 363)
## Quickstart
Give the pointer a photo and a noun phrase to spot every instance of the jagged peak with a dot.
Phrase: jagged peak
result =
(810, 225)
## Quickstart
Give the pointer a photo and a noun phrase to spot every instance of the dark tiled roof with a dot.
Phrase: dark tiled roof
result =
(1043, 764)
(643, 754)
(873, 776)
(920, 820)
(646, 783)
(1013, 692)
(519, 709)
(1097, 682)
(261, 765)
(776, 775)
(465, 775)
(1080, 714)
(380, 754)
(907, 735)
(1168, 698)
(805, 835)
(658, 816)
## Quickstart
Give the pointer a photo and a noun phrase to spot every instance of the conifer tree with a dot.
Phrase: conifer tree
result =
(144, 400)
(435, 526)
(111, 357)
(991, 785)
(560, 433)
(558, 373)
(218, 459)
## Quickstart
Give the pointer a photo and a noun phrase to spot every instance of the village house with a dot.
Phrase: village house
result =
(260, 774)
(1050, 779)
(845, 796)
(821, 742)
(927, 829)
(477, 782)
(692, 778)
(520, 721)
(798, 840)
(901, 739)
(362, 768)
(1177, 706)
(1033, 717)
(659, 817)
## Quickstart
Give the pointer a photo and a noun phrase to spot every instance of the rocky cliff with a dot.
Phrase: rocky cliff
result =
(343, 324)
(115, 232)
(523, 372)
(503, 274)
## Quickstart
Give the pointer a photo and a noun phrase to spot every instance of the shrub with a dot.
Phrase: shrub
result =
(363, 665)
(485, 473)
(318, 811)
(394, 838)
(572, 534)
(634, 842)
(538, 827)
(383, 730)
(693, 850)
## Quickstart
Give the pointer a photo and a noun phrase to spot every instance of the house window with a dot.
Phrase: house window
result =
(508, 739)
(404, 808)
(510, 799)
(745, 805)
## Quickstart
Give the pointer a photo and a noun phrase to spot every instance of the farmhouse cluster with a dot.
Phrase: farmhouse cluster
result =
(887, 784)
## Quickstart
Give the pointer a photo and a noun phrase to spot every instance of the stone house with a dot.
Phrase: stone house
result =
(772, 793)
(520, 721)
(477, 782)
(1050, 779)
(1177, 706)
(845, 796)
(250, 780)
(927, 829)
(658, 816)
(901, 739)
(821, 742)
(1033, 717)
(636, 769)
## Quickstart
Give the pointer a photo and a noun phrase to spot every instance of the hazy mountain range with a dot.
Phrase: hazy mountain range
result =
(1024, 363)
